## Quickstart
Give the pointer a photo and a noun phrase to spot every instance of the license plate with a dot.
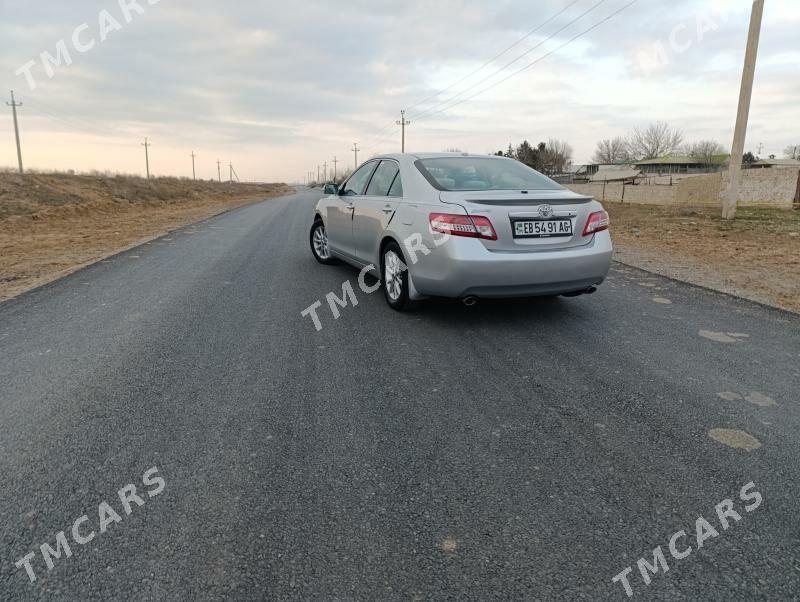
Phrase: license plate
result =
(542, 228)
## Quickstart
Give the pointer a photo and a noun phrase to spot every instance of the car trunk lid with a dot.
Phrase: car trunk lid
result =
(525, 221)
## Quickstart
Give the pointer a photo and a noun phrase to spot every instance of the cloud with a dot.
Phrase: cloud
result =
(278, 87)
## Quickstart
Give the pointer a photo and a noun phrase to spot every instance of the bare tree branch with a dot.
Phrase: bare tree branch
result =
(705, 151)
(611, 152)
(656, 140)
(792, 152)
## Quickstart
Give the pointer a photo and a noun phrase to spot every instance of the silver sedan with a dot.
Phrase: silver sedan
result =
(462, 226)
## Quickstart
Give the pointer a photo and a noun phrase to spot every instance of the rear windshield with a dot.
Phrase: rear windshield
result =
(483, 173)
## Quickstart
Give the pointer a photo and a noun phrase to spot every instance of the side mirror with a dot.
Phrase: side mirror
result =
(331, 189)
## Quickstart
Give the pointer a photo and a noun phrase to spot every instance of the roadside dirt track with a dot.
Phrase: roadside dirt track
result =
(50, 225)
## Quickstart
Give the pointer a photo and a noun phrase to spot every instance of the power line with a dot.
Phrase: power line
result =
(381, 134)
(429, 113)
(431, 110)
(14, 104)
(73, 126)
(496, 56)
(71, 120)
(529, 65)
(386, 131)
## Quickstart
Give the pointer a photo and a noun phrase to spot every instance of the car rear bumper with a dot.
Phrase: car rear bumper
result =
(464, 267)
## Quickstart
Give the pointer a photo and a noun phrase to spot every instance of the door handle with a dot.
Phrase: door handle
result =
(387, 210)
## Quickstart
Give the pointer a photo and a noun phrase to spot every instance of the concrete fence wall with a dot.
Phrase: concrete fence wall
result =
(760, 187)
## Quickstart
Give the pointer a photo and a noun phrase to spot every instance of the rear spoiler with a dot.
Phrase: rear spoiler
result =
(522, 201)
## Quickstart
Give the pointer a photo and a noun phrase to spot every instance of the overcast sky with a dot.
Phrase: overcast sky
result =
(280, 87)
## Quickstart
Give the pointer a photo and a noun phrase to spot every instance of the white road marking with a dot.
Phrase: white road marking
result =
(735, 439)
(760, 400)
(719, 337)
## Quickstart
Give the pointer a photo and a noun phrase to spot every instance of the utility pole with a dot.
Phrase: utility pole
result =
(233, 173)
(760, 148)
(14, 104)
(403, 123)
(147, 145)
(745, 95)
(194, 174)
(230, 173)
(325, 171)
(317, 173)
(355, 150)
(219, 171)
(796, 203)
(335, 161)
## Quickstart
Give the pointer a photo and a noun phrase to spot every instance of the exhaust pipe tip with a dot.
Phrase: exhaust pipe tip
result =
(470, 301)
(589, 291)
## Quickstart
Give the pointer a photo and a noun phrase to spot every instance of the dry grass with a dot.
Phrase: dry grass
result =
(51, 224)
(756, 256)
(36, 193)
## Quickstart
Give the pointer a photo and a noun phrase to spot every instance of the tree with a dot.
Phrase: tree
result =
(792, 152)
(656, 140)
(705, 151)
(749, 158)
(611, 152)
(552, 157)
(557, 156)
(528, 155)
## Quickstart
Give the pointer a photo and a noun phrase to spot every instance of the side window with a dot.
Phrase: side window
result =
(397, 187)
(358, 181)
(383, 178)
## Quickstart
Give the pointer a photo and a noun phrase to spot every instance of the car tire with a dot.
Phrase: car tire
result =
(318, 239)
(394, 277)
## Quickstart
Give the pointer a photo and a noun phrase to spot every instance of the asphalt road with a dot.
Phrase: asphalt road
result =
(515, 450)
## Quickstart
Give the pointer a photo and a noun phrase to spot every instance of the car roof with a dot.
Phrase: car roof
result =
(432, 155)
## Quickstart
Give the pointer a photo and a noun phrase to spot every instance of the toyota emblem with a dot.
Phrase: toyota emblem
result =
(545, 211)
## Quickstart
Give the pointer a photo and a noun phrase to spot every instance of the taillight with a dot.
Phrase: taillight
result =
(597, 222)
(475, 226)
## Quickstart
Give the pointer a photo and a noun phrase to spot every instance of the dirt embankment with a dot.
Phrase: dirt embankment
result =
(52, 224)
(756, 256)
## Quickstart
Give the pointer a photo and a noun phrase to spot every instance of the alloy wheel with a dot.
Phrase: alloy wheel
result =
(320, 240)
(393, 273)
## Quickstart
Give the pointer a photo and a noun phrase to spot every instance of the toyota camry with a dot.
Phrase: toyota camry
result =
(462, 226)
